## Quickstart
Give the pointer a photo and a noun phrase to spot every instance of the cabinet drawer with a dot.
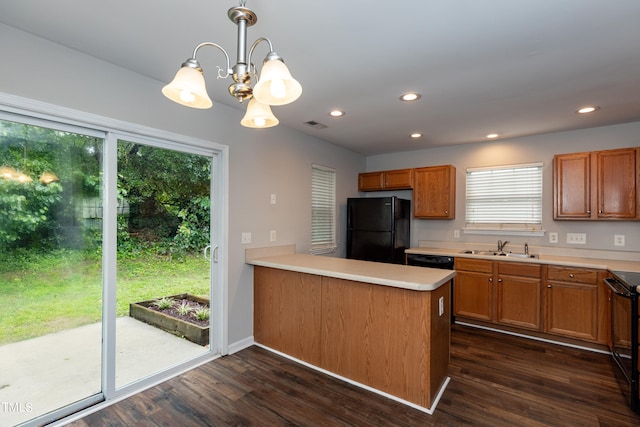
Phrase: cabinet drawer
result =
(471, 264)
(572, 274)
(519, 269)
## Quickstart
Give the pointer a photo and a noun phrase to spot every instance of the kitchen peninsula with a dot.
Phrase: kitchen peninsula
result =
(385, 327)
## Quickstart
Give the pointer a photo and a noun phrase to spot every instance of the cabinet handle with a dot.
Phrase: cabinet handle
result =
(446, 212)
(499, 280)
(548, 286)
(589, 212)
(490, 279)
(571, 275)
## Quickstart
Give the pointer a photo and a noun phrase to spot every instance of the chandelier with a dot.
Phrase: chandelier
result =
(275, 86)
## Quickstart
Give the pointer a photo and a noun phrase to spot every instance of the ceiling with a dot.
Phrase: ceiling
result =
(516, 68)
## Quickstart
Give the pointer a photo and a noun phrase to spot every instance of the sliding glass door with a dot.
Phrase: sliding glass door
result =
(163, 267)
(108, 250)
(50, 268)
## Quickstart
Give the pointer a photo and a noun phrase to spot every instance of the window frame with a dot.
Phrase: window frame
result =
(323, 210)
(518, 202)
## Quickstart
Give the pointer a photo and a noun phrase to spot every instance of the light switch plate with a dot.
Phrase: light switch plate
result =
(246, 238)
(272, 235)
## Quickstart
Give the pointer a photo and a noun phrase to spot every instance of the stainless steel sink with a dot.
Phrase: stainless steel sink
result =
(493, 253)
(519, 255)
(476, 252)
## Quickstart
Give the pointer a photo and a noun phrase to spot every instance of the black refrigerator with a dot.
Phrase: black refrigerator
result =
(378, 229)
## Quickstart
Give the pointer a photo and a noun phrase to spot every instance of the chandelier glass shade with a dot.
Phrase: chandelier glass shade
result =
(188, 88)
(275, 86)
(258, 115)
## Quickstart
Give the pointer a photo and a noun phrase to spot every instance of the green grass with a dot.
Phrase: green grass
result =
(64, 290)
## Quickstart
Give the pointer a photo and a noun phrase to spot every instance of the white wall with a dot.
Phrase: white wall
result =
(262, 162)
(514, 151)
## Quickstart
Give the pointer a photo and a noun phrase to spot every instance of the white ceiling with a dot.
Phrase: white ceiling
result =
(515, 67)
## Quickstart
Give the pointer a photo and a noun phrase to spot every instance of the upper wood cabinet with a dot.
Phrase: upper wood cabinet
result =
(597, 185)
(399, 179)
(434, 192)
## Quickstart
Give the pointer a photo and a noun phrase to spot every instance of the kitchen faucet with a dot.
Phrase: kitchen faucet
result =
(501, 245)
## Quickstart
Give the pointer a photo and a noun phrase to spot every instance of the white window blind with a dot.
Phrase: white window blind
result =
(323, 209)
(505, 197)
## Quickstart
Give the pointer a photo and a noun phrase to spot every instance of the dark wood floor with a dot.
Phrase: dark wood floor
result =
(496, 380)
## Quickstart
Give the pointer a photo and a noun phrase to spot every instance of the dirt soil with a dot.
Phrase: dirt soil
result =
(191, 317)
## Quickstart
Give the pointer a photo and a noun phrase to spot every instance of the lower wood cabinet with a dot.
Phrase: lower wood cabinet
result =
(473, 289)
(576, 303)
(564, 301)
(507, 293)
(519, 295)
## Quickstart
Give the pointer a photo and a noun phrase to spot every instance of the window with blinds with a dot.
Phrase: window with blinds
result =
(323, 209)
(505, 197)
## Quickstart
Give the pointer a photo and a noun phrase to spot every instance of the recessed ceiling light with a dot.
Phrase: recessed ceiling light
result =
(586, 110)
(416, 135)
(411, 96)
(337, 113)
(492, 135)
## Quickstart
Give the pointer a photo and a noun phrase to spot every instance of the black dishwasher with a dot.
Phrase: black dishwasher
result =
(431, 261)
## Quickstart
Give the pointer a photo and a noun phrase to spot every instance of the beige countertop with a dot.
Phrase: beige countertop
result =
(395, 275)
(604, 264)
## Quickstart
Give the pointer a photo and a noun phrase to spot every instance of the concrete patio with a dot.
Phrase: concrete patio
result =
(45, 373)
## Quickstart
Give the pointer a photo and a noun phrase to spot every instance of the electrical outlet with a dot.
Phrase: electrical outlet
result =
(441, 306)
(456, 234)
(273, 199)
(618, 240)
(246, 238)
(577, 238)
(553, 237)
(272, 236)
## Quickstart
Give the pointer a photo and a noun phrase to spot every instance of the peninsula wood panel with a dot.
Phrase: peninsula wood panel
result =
(387, 338)
(287, 312)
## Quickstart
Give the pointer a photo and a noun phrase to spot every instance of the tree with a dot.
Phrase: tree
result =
(43, 174)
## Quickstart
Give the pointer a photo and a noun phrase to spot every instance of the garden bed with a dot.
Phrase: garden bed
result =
(171, 320)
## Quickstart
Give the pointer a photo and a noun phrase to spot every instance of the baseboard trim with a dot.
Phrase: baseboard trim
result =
(550, 341)
(241, 345)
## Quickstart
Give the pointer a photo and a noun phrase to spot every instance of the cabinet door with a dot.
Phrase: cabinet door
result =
(519, 302)
(400, 179)
(473, 295)
(370, 181)
(616, 183)
(572, 310)
(572, 186)
(434, 192)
